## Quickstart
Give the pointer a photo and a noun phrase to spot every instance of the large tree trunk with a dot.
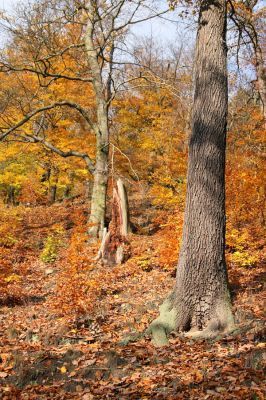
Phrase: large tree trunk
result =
(99, 190)
(100, 181)
(98, 200)
(200, 300)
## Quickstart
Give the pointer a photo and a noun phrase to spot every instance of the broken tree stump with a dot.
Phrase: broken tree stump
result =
(114, 247)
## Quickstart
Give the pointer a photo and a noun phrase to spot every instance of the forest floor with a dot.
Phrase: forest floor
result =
(45, 355)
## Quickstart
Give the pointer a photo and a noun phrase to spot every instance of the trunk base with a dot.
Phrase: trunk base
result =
(171, 319)
(164, 324)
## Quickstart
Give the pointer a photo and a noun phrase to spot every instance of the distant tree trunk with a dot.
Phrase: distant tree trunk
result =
(200, 301)
(261, 79)
(52, 194)
(246, 18)
(11, 193)
(53, 187)
(67, 192)
(46, 175)
(115, 247)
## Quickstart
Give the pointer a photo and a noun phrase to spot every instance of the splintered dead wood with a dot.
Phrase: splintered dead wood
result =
(114, 248)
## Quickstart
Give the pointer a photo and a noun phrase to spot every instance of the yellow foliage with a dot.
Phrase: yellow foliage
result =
(12, 278)
(243, 258)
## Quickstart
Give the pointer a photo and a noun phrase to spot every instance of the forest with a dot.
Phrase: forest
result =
(132, 199)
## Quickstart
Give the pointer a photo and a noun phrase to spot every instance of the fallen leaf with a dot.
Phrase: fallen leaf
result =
(87, 396)
(63, 370)
(198, 376)
(87, 363)
(220, 389)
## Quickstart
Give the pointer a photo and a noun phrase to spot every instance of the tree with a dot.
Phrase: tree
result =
(200, 302)
(158, 103)
(245, 173)
(76, 41)
(248, 19)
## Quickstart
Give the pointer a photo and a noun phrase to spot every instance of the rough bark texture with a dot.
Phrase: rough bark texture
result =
(200, 301)
(115, 247)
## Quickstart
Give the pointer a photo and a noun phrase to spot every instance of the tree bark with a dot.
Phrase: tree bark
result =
(123, 200)
(52, 190)
(248, 19)
(99, 190)
(52, 194)
(11, 196)
(200, 301)
(261, 79)
(115, 247)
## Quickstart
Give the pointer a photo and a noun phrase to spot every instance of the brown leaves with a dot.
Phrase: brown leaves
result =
(49, 340)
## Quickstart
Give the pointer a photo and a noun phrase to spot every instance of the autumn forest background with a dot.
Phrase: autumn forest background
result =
(69, 320)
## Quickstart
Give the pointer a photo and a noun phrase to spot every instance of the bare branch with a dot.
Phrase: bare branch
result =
(44, 74)
(128, 159)
(76, 106)
(134, 22)
(64, 154)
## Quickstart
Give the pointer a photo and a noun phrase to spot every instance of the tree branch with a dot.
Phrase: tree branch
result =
(65, 154)
(45, 74)
(76, 106)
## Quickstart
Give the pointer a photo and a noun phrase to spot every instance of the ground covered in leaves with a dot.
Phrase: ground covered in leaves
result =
(50, 351)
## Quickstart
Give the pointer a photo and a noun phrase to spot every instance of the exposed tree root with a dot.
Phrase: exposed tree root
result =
(222, 323)
(163, 325)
